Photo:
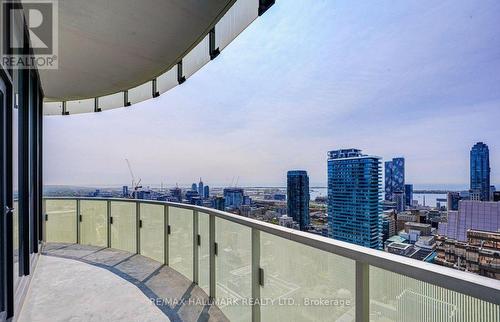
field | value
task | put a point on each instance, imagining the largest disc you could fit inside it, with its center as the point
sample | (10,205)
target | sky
(418,79)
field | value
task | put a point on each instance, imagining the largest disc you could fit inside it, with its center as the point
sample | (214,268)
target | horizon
(390,79)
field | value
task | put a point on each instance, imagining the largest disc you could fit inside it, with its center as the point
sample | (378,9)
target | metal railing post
(195,247)
(362,294)
(211,238)
(257,275)
(78,232)
(138,226)
(108,213)
(166,231)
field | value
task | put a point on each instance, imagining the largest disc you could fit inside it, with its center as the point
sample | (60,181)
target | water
(430,198)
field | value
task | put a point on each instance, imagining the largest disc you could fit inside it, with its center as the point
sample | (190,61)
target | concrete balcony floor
(86,283)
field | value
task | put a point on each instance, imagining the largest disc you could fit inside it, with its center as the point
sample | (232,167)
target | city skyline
(427,97)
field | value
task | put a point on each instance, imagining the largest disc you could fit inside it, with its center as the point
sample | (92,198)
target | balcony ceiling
(107,46)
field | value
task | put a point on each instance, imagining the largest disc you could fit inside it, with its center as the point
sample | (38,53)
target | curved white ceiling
(107,46)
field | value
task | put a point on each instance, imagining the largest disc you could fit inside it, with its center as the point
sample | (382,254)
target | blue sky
(419,79)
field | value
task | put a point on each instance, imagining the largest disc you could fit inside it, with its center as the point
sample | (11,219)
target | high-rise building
(399,198)
(176,194)
(206,192)
(354,209)
(388,180)
(218,203)
(496,196)
(233,197)
(452,201)
(125,192)
(192,194)
(408,195)
(194,187)
(298,197)
(480,171)
(394,177)
(201,189)
(388,220)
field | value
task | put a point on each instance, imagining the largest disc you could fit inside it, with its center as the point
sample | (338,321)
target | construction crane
(135,184)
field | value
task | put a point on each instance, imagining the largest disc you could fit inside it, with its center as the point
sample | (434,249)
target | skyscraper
(354,183)
(233,197)
(394,177)
(408,195)
(200,189)
(206,192)
(388,180)
(194,187)
(218,203)
(298,197)
(176,193)
(480,171)
(453,199)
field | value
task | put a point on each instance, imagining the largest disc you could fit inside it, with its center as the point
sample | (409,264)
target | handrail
(477,286)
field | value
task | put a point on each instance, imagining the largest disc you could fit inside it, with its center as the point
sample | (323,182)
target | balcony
(240,269)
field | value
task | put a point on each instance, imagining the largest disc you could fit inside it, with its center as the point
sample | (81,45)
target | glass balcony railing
(256,271)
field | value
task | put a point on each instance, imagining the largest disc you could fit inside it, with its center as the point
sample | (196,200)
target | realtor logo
(32,37)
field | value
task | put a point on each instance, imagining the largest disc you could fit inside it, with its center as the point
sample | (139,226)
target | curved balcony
(256,271)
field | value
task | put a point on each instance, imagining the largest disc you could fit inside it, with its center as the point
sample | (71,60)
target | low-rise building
(480,254)
(423,229)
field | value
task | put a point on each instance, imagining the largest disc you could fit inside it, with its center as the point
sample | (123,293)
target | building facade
(234,197)
(479,215)
(206,192)
(354,183)
(218,203)
(408,195)
(480,171)
(201,190)
(298,197)
(452,201)
(479,254)
(394,177)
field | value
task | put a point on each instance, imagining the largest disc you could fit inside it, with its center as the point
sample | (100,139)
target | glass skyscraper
(394,177)
(298,197)
(233,197)
(200,189)
(354,192)
(480,170)
(408,195)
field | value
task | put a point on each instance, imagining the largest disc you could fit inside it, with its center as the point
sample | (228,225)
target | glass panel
(233,269)
(196,58)
(140,93)
(167,80)
(297,276)
(15,177)
(180,241)
(52,108)
(15,242)
(204,252)
(83,106)
(236,19)
(111,101)
(123,229)
(94,223)
(152,231)
(395,297)
(61,221)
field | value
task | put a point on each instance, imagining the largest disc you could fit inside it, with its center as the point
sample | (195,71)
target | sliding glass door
(6,201)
